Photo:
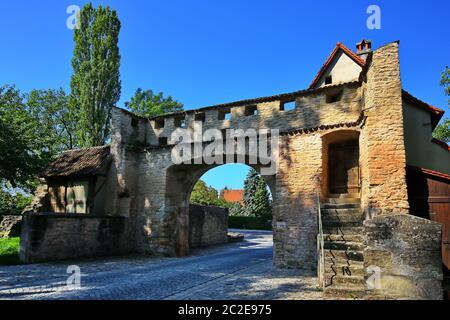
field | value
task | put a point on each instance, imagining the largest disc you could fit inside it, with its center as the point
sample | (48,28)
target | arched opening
(341,169)
(205,222)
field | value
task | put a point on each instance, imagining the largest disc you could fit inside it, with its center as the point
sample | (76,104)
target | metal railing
(320,246)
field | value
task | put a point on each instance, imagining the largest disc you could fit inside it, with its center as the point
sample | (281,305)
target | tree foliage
(204,195)
(261,203)
(148,104)
(442,131)
(256,196)
(50,109)
(250,187)
(12,203)
(95,84)
(208,196)
(24,142)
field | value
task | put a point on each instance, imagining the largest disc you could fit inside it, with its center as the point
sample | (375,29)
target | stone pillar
(402,257)
(383,158)
(295,202)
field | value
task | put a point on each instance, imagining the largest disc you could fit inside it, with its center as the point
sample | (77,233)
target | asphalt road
(232,271)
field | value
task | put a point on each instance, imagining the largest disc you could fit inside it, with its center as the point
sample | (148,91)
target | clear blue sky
(208,52)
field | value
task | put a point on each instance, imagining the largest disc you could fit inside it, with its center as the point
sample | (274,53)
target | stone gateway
(348,140)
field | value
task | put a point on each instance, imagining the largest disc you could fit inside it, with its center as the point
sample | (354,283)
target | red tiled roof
(339,46)
(233,196)
(430,172)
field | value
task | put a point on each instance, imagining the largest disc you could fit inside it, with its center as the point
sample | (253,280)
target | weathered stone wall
(207,226)
(10,225)
(382,145)
(155,191)
(41,199)
(47,237)
(407,251)
(295,201)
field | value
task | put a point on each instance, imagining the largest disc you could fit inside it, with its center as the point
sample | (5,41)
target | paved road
(233,271)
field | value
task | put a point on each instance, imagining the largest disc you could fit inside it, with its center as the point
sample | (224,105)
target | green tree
(204,195)
(261,202)
(250,186)
(95,83)
(24,143)
(50,109)
(12,203)
(236,209)
(148,104)
(442,131)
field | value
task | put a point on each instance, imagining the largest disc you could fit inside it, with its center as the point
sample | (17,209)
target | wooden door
(343,167)
(439,204)
(429,198)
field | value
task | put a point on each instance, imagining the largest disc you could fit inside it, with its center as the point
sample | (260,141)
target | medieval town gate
(344,138)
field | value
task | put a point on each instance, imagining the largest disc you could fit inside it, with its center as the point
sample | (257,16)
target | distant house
(233,196)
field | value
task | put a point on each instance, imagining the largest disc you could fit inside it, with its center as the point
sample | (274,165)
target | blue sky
(208,52)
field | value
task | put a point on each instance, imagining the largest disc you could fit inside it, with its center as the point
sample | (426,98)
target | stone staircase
(343,243)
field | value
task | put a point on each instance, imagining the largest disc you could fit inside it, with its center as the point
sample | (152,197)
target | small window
(134,122)
(180,122)
(224,114)
(159,123)
(288,105)
(162,141)
(251,110)
(200,117)
(329,80)
(334,97)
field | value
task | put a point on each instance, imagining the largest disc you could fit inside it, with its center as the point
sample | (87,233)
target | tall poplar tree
(95,84)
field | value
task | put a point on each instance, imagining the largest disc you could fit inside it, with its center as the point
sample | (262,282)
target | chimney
(363,48)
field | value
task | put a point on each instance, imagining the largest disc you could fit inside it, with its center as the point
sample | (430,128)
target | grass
(9,251)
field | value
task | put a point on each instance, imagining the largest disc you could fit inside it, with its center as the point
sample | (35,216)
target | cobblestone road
(233,271)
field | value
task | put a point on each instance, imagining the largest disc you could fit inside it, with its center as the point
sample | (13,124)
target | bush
(9,251)
(250,223)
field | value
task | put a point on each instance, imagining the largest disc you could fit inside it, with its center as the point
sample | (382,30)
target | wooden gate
(429,197)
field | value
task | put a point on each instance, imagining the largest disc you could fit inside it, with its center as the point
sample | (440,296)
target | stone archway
(180,180)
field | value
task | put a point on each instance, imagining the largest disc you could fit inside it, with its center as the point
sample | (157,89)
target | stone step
(343,195)
(343,218)
(342,211)
(342,245)
(352,255)
(340,205)
(345,292)
(342,269)
(345,231)
(341,224)
(349,280)
(341,200)
(342,260)
(346,238)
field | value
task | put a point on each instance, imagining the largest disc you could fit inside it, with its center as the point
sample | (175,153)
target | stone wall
(47,237)
(207,226)
(382,145)
(406,249)
(149,187)
(10,225)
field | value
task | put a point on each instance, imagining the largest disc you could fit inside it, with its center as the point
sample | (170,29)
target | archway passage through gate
(181,180)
